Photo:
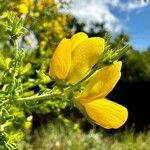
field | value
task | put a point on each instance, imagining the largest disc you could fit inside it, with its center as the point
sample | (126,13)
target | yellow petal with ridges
(84,57)
(106,113)
(77,38)
(101,83)
(61,60)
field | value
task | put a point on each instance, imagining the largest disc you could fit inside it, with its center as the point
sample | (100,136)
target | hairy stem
(39,97)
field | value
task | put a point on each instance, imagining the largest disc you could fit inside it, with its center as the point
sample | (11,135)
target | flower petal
(77,38)
(61,60)
(84,57)
(106,113)
(101,83)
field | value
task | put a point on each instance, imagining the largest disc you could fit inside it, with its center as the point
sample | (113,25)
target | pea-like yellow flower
(74,58)
(95,106)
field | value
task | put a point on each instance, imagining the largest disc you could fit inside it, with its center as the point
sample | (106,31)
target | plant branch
(38,97)
(16,48)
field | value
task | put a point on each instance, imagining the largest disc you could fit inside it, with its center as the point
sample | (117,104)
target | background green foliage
(25,73)
(56,136)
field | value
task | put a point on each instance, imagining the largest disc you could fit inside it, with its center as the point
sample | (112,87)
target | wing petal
(101,83)
(106,113)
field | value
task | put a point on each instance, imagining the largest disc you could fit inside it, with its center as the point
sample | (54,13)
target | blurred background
(46,23)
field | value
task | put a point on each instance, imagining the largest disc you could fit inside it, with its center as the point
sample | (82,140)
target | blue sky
(132,16)
(137,23)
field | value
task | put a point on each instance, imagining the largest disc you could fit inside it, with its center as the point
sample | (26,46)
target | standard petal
(101,83)
(77,38)
(106,113)
(61,60)
(84,57)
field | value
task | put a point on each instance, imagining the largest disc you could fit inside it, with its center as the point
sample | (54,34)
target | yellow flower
(24,6)
(57,27)
(36,14)
(95,106)
(74,58)
(26,2)
(23,9)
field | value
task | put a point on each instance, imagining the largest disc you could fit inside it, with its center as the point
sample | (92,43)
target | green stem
(16,48)
(86,77)
(13,74)
(39,97)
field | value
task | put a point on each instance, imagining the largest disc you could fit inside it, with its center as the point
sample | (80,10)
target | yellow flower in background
(95,106)
(24,6)
(74,58)
(57,28)
(26,2)
(23,9)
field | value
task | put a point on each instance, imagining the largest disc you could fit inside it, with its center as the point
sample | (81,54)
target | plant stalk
(38,98)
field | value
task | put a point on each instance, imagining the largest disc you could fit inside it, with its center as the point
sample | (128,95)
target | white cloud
(133,4)
(99,11)
(96,11)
